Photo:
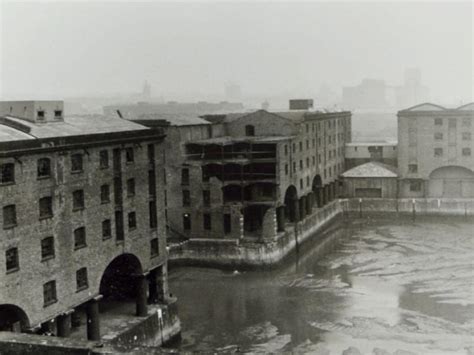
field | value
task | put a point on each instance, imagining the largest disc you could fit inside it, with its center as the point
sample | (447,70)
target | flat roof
(230,140)
(367,144)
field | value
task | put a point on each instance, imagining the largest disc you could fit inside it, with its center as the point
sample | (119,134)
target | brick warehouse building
(253,170)
(435,151)
(82,217)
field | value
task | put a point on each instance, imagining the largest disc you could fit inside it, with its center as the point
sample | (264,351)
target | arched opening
(291,203)
(451,182)
(119,281)
(13,318)
(317,188)
(253,218)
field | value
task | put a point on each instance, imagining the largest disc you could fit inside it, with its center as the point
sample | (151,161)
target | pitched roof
(174,119)
(467,107)
(427,106)
(371,169)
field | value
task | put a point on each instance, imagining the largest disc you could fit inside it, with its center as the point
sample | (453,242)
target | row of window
(452,122)
(40,114)
(12,260)
(44,167)
(331,139)
(439,136)
(207,222)
(439,152)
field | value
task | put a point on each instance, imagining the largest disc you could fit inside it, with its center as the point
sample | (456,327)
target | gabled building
(435,151)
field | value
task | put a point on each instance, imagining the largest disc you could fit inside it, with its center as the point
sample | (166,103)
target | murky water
(386,287)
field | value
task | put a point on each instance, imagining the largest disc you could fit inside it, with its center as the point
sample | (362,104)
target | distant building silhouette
(233,92)
(412,91)
(370,94)
(146,93)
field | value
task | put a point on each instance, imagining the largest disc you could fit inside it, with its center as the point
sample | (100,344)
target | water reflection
(380,285)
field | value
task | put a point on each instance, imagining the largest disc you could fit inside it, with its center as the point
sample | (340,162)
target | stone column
(319,196)
(152,287)
(309,198)
(63,322)
(326,194)
(141,300)
(295,210)
(280,218)
(302,203)
(93,319)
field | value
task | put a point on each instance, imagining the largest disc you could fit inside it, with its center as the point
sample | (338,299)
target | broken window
(46,207)
(7,173)
(9,216)
(81,279)
(131,187)
(105,194)
(76,162)
(47,248)
(132,220)
(154,247)
(186,198)
(78,200)
(80,238)
(129,155)
(207,221)
(11,260)
(44,167)
(49,293)
(106,229)
(104,159)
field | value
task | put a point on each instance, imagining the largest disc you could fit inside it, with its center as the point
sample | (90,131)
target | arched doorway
(13,318)
(318,190)
(451,182)
(119,281)
(291,204)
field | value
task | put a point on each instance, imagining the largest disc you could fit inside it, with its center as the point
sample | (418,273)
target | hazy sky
(58,49)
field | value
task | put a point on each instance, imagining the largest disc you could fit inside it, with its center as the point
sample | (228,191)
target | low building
(371,180)
(435,151)
(358,153)
(81,217)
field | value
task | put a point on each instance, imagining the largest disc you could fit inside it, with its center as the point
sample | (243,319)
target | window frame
(45,246)
(80,236)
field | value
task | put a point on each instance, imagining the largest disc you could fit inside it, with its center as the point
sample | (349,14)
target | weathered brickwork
(22,285)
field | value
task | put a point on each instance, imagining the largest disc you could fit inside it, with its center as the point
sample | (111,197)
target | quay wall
(234,253)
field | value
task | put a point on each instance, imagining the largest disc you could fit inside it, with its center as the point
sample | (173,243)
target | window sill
(75,172)
(49,303)
(106,237)
(46,258)
(78,209)
(46,177)
(7,183)
(153,256)
(11,271)
(82,288)
(45,217)
(103,167)
(120,242)
(10,226)
(131,229)
(104,202)
(80,247)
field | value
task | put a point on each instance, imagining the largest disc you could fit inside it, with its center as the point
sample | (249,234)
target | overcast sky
(59,49)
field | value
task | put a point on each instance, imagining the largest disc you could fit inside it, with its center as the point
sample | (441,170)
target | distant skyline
(190,50)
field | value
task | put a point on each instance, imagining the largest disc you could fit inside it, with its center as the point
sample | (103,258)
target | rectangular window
(106,229)
(80,238)
(301,165)
(43,168)
(466,122)
(9,216)
(413,168)
(319,158)
(132,221)
(438,121)
(151,183)
(307,144)
(76,163)
(104,159)
(58,114)
(466,152)
(40,115)
(152,214)
(415,186)
(78,200)
(314,160)
(207,221)
(294,167)
(46,207)
(452,123)
(131,187)
(47,248)
(294,147)
(307,162)
(301,146)
(186,198)
(81,279)
(307,181)
(438,136)
(154,247)
(286,169)
(11,260)
(49,293)
(206,198)
(438,152)
(466,136)
(7,173)
(105,194)
(185,176)
(151,153)
(227,223)
(129,155)
(186,222)
(301,183)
